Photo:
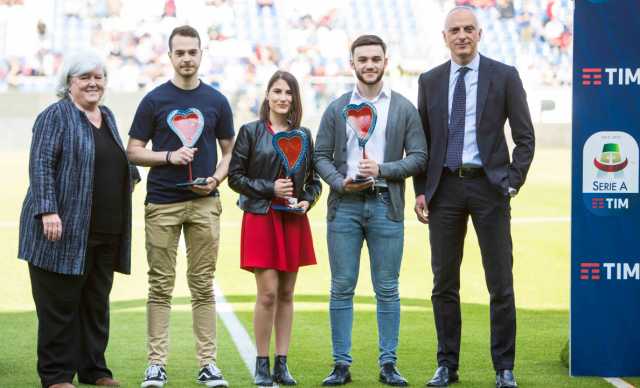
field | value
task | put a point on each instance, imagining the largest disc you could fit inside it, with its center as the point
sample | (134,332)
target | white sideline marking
(238,334)
(618,383)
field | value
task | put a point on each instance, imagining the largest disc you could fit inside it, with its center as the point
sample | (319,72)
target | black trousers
(73,316)
(454,201)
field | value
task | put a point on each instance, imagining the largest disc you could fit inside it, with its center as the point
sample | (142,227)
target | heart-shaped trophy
(187,124)
(361,118)
(291,147)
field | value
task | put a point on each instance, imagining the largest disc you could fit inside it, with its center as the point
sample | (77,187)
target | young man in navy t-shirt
(174,114)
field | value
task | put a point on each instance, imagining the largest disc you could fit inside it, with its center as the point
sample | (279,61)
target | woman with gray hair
(75,225)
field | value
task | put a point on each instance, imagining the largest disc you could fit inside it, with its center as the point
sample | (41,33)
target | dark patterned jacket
(61,181)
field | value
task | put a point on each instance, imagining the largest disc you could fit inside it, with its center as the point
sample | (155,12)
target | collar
(474,65)
(385,92)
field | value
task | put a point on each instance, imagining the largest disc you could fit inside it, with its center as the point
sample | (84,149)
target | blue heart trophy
(361,118)
(291,147)
(188,125)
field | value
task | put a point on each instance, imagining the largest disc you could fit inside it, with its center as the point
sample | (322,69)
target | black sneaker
(211,376)
(155,376)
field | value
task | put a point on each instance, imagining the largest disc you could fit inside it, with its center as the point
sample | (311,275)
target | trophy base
(285,208)
(196,182)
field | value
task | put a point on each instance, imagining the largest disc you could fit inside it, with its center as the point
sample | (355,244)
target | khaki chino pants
(200,220)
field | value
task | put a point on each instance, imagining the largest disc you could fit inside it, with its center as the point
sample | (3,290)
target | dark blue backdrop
(605,232)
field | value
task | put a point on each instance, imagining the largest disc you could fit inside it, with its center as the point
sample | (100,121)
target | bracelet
(217,180)
(168,157)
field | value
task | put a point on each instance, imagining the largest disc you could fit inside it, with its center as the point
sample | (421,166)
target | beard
(187,72)
(361,78)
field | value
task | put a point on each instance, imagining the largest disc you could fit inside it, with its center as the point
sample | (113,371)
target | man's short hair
(184,31)
(368,40)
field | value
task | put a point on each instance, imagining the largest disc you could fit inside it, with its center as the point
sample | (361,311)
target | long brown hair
(295,113)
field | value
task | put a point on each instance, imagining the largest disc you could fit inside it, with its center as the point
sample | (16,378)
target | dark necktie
(456,122)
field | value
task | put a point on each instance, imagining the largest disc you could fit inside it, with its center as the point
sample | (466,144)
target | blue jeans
(362,217)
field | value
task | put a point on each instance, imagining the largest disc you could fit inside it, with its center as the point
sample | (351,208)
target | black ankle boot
(263,375)
(281,373)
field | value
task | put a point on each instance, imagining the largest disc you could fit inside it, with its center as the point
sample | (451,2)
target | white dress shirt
(470,152)
(377,142)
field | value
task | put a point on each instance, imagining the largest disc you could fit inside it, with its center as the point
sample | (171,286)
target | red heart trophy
(361,118)
(291,147)
(187,124)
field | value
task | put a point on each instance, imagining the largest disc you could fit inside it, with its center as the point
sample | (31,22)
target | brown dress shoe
(107,382)
(62,385)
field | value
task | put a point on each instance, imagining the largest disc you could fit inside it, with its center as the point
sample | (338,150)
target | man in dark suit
(464,104)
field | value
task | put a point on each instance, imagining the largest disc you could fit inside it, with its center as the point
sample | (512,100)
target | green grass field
(541,269)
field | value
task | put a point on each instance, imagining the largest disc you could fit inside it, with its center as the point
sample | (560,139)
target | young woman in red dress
(274,244)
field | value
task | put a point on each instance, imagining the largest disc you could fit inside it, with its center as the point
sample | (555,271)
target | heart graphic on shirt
(361,118)
(291,147)
(187,124)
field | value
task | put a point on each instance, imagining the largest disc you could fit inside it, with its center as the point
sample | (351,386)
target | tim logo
(610,203)
(589,271)
(592,76)
(613,76)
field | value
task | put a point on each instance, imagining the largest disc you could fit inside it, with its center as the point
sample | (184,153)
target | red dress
(277,240)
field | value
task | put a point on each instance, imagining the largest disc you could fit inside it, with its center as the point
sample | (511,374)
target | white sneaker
(155,376)
(211,376)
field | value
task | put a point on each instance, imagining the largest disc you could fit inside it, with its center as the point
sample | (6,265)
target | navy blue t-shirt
(186,111)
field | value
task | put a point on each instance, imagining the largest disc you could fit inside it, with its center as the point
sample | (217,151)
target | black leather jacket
(255,166)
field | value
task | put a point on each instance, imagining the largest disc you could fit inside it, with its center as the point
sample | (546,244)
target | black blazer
(501,96)
(255,166)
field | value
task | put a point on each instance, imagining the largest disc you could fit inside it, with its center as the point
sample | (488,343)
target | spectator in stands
(505,9)
(306,40)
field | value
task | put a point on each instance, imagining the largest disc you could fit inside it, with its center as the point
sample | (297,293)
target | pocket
(149,209)
(217,206)
(332,206)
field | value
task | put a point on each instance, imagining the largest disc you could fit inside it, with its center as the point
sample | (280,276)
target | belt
(380,189)
(373,191)
(376,190)
(465,172)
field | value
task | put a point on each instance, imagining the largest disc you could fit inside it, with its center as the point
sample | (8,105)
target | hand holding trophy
(291,147)
(361,118)
(187,124)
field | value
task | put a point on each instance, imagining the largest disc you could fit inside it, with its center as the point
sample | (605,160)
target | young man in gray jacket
(366,202)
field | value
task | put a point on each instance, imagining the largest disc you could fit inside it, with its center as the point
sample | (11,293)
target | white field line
(238,334)
(408,222)
(618,383)
(236,330)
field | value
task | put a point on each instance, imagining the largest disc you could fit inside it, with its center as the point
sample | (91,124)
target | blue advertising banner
(605,209)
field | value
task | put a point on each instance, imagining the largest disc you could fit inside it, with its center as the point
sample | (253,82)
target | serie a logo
(610,165)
